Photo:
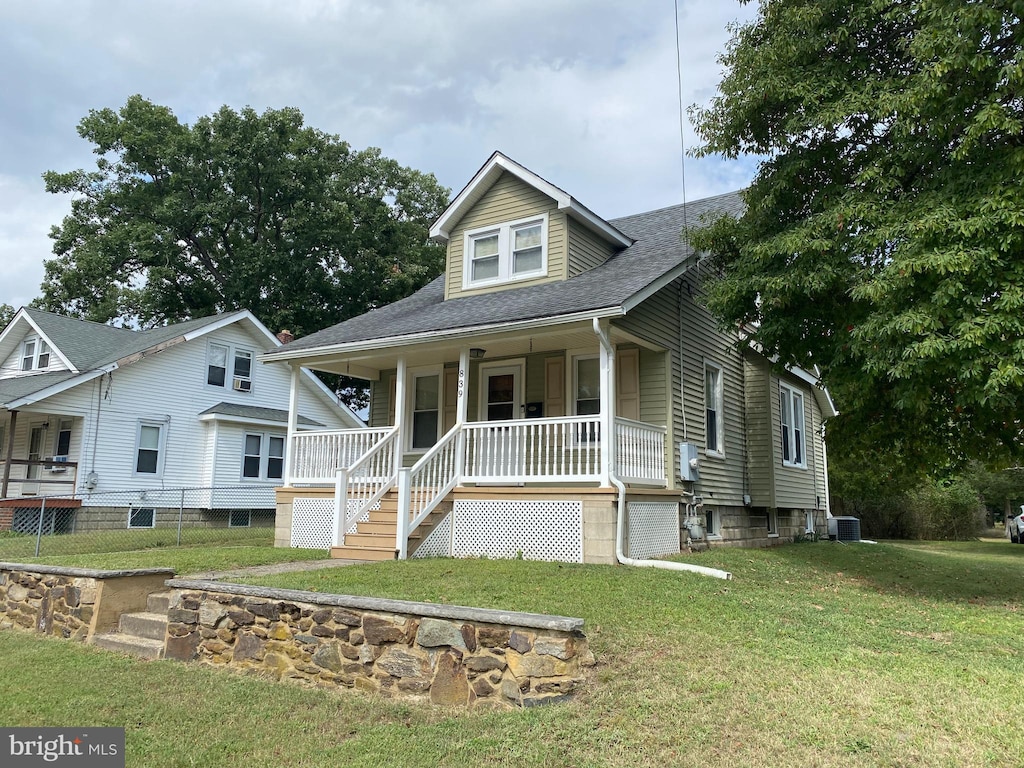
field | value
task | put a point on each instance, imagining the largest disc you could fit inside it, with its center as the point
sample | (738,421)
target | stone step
(364,553)
(158,602)
(134,646)
(149,626)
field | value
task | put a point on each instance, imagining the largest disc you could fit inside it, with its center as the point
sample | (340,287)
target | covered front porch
(547,425)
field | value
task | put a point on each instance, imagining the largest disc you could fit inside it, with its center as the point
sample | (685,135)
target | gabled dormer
(509,228)
(26,348)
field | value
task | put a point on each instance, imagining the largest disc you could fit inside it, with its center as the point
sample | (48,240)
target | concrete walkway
(273,569)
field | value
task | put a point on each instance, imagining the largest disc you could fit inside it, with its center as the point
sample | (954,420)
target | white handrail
(363,484)
(424,485)
(317,455)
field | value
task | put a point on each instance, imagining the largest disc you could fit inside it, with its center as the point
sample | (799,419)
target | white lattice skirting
(438,542)
(653,529)
(535,530)
(312,523)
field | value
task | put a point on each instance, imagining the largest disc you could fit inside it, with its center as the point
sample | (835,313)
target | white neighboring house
(86,408)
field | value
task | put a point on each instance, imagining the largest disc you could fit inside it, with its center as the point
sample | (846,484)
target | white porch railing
(363,484)
(318,455)
(524,450)
(640,452)
(423,486)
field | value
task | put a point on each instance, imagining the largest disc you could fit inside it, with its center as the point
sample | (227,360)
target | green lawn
(816,654)
(16,547)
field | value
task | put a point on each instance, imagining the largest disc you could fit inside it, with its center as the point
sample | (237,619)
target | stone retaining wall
(449,655)
(73,603)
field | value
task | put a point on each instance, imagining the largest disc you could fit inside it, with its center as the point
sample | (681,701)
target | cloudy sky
(582,92)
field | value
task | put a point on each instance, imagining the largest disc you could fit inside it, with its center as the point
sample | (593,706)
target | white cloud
(583,92)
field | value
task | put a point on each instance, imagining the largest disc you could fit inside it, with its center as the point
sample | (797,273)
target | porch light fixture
(477,353)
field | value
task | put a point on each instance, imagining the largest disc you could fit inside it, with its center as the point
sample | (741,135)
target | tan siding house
(557,379)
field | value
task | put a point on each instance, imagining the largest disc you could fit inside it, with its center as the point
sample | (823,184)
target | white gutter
(620,527)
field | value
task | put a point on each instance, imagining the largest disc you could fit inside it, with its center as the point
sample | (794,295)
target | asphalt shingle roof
(256,412)
(658,248)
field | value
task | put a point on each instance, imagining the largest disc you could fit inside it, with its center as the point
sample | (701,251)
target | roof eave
(413,339)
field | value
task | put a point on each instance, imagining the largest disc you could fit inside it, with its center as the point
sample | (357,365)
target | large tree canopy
(884,233)
(238,210)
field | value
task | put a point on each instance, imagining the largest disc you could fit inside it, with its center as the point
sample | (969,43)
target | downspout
(609,454)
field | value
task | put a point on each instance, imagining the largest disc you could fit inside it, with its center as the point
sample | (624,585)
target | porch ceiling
(368,364)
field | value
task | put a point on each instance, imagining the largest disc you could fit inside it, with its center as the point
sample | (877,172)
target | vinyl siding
(661,319)
(761,443)
(509,199)
(586,249)
(170,388)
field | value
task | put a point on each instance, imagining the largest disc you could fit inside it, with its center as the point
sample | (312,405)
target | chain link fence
(119,521)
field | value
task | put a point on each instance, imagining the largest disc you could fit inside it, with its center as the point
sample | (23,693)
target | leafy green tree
(238,210)
(883,239)
(7,313)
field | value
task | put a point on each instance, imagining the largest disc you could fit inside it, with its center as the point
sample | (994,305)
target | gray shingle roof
(256,412)
(658,249)
(91,345)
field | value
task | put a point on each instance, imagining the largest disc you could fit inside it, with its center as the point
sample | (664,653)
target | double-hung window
(263,456)
(791,409)
(220,358)
(35,354)
(714,431)
(513,251)
(149,448)
(426,410)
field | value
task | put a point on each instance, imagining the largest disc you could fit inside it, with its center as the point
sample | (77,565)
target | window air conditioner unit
(844,529)
(59,460)
(243,385)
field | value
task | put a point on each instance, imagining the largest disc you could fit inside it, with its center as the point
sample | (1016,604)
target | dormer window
(513,251)
(35,354)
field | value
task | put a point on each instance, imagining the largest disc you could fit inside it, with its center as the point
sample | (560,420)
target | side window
(28,354)
(262,456)
(149,448)
(713,405)
(587,377)
(62,443)
(216,365)
(221,358)
(791,410)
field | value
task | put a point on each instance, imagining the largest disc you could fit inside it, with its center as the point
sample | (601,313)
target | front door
(501,399)
(35,449)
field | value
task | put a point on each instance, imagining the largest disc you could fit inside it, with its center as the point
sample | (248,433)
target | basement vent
(844,529)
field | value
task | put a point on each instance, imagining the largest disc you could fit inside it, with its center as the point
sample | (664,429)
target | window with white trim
(149,448)
(507,252)
(791,410)
(712,523)
(223,357)
(35,354)
(262,456)
(714,431)
(141,517)
(62,441)
(426,409)
(586,385)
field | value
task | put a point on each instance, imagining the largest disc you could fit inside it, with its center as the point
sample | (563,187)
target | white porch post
(400,412)
(293,423)
(461,411)
(608,438)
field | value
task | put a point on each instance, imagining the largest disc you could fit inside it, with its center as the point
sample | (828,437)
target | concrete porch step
(136,646)
(158,602)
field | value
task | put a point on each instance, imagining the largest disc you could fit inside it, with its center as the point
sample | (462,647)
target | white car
(1015,527)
